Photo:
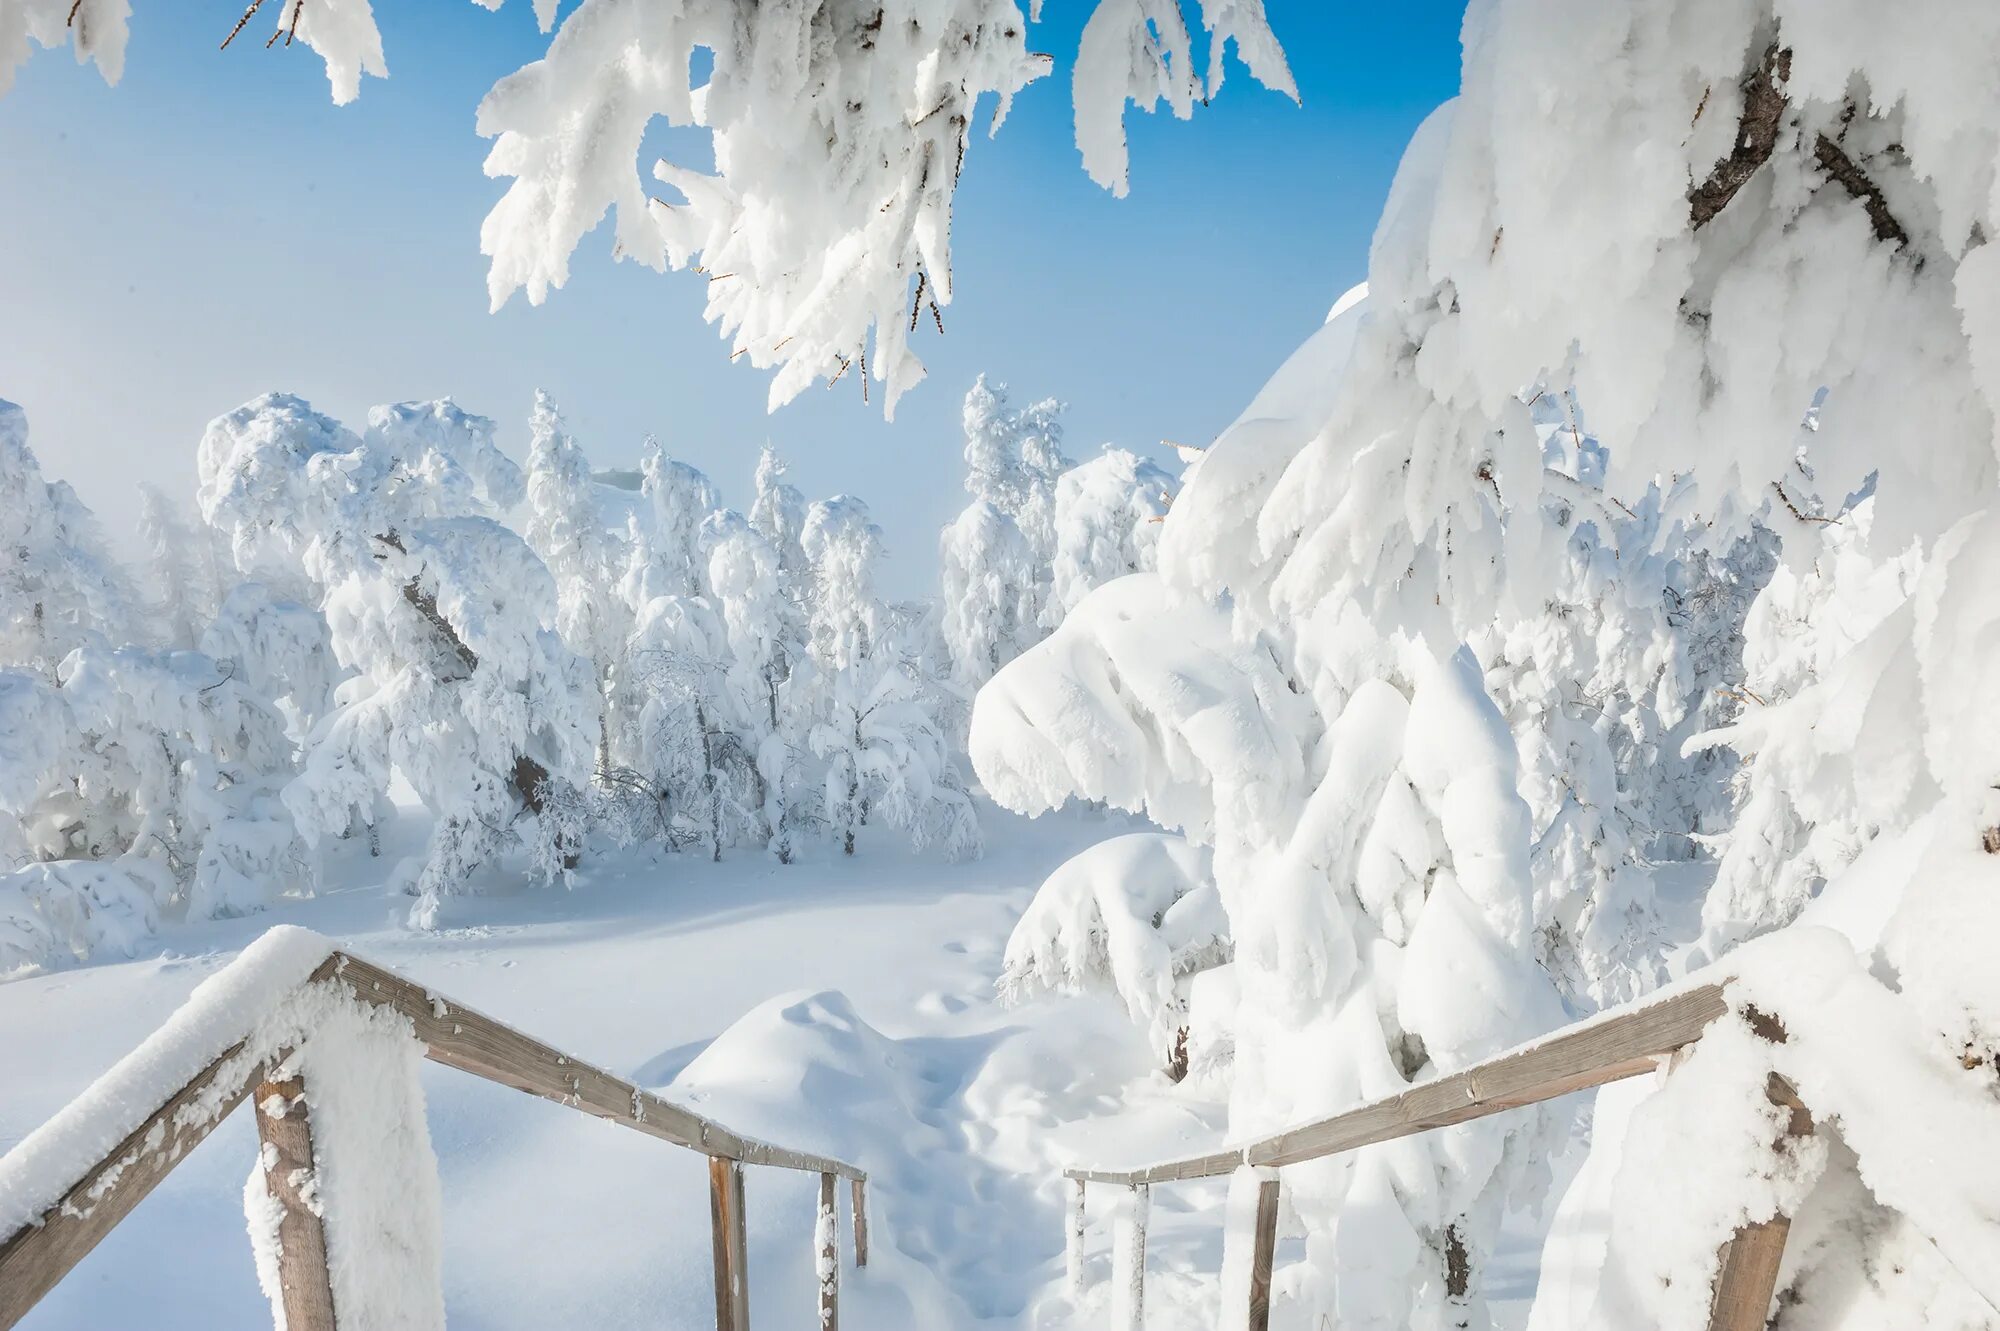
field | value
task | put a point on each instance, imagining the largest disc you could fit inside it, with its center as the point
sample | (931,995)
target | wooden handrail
(38,1254)
(461,1038)
(1609,1047)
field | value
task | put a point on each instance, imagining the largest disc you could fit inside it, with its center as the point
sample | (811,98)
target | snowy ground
(841,1006)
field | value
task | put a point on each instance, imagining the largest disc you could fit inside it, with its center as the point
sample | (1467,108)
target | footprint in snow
(939,1004)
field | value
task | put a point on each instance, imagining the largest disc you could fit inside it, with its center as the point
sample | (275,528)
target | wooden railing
(41,1252)
(1604,1049)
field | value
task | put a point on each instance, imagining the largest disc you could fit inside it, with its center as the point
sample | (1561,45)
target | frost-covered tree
(1762,207)
(566,528)
(875,725)
(1013,459)
(60,589)
(767,653)
(994,559)
(164,763)
(1104,522)
(184,570)
(988,578)
(445,617)
(839,132)
(1136,916)
(692,727)
(778,513)
(280,649)
(1372,854)
(666,558)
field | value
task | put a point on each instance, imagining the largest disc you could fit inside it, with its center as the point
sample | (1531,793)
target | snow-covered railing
(302,1029)
(1611,1046)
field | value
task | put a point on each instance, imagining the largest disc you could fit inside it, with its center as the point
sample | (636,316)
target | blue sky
(214,227)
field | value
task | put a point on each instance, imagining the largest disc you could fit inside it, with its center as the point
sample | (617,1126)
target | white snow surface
(840,1006)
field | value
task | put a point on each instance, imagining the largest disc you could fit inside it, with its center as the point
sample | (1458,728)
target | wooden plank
(35,1257)
(860,1205)
(285,1132)
(732,1284)
(826,1252)
(1746,1277)
(1605,1049)
(459,1037)
(1263,1248)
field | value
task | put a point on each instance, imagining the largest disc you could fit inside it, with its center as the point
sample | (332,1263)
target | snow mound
(803,1069)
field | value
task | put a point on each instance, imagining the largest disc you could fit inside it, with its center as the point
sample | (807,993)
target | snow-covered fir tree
(461,683)
(1137,916)
(60,589)
(778,513)
(767,653)
(184,573)
(875,728)
(667,559)
(994,560)
(1104,523)
(566,528)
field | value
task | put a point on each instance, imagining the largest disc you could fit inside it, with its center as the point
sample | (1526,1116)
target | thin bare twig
(248,14)
(1796,512)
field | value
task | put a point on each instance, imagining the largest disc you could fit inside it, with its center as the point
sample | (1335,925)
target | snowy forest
(1591,608)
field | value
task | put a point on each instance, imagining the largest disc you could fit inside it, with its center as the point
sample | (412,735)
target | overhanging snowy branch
(1765,102)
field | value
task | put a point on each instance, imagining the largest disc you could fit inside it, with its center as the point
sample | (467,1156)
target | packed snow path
(845,1007)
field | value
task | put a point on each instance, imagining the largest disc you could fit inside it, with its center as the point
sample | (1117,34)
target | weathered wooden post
(1747,1278)
(732,1284)
(1073,1242)
(860,1203)
(1263,1247)
(1128,1262)
(284,1133)
(826,1254)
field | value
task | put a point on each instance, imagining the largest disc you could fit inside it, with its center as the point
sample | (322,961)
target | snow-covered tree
(280,649)
(184,570)
(163,757)
(994,559)
(693,742)
(445,617)
(1372,855)
(988,577)
(767,650)
(778,513)
(875,727)
(566,528)
(839,132)
(1136,916)
(666,557)
(1761,208)
(1013,459)
(60,589)
(1105,523)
